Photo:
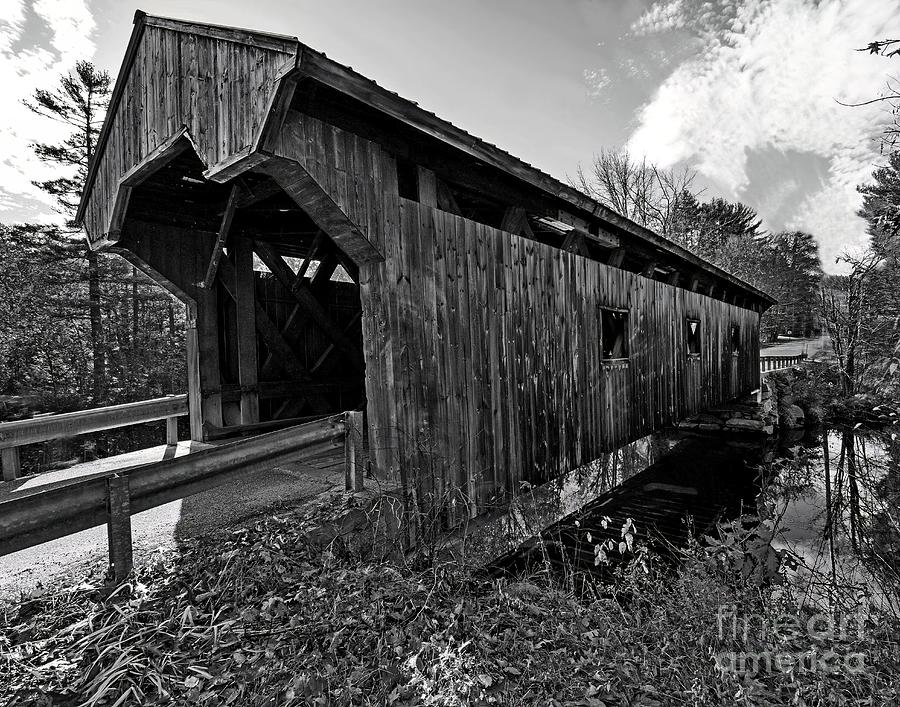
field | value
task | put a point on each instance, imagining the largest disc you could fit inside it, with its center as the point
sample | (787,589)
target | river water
(835,499)
(831,496)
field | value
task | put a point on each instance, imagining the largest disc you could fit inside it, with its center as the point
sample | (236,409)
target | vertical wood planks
(483,360)
(500,339)
(219,89)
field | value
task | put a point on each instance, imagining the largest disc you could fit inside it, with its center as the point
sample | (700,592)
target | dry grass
(260,616)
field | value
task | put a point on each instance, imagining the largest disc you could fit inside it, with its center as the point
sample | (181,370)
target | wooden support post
(206,316)
(616,257)
(649,269)
(353,450)
(245,300)
(195,394)
(171,431)
(427,187)
(11,465)
(673,277)
(118,509)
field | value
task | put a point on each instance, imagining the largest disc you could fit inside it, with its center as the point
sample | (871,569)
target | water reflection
(833,497)
(836,499)
(670,486)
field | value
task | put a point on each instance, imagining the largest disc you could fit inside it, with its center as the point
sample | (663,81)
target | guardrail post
(11,465)
(171,431)
(118,508)
(353,450)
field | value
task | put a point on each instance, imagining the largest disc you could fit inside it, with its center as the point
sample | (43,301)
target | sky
(746,93)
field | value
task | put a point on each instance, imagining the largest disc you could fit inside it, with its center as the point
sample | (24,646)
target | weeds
(264,616)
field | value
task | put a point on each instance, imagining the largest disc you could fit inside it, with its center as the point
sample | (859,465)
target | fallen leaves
(259,617)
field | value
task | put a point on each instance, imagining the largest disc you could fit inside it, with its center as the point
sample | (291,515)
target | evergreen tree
(792,273)
(80,102)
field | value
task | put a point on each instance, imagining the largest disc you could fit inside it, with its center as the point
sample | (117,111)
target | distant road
(795,347)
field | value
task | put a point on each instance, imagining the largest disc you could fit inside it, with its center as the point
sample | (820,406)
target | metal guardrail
(776,363)
(770,364)
(40,429)
(38,515)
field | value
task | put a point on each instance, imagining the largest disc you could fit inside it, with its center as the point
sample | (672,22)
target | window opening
(613,329)
(693,337)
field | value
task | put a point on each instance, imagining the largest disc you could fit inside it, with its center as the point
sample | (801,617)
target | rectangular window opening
(614,334)
(735,339)
(693,337)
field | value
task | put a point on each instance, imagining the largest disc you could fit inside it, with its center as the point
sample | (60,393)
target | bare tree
(638,190)
(861,321)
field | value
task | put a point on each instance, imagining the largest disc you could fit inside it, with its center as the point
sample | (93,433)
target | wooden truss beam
(282,352)
(575,242)
(313,247)
(445,199)
(306,192)
(616,257)
(298,318)
(515,221)
(221,238)
(327,352)
(299,289)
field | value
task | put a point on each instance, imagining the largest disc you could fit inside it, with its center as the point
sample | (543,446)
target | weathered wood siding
(483,349)
(491,345)
(218,89)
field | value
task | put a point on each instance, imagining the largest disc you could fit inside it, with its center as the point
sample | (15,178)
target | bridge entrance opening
(274,331)
(298,315)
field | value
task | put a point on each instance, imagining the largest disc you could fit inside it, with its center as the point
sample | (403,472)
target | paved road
(74,556)
(795,347)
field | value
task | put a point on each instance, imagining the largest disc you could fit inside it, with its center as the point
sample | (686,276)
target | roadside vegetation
(264,616)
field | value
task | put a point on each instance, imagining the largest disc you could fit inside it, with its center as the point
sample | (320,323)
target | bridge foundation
(755,413)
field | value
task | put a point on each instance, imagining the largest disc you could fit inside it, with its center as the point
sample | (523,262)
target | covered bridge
(337,246)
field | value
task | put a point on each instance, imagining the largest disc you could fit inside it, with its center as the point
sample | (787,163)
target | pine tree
(80,101)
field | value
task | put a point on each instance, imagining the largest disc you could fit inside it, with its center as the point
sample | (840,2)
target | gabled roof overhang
(306,63)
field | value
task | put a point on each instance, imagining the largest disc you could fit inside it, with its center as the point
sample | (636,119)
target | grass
(263,616)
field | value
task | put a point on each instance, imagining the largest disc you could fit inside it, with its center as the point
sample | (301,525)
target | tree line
(858,310)
(82,328)
(728,234)
(79,328)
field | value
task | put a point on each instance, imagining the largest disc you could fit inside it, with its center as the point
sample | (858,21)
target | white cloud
(767,74)
(597,81)
(65,27)
(661,17)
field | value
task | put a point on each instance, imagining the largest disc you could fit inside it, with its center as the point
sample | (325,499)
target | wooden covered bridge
(338,247)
